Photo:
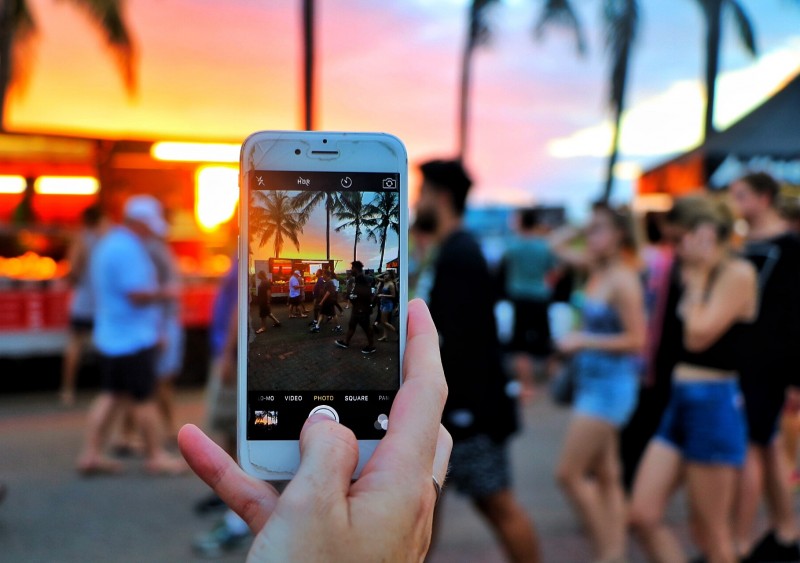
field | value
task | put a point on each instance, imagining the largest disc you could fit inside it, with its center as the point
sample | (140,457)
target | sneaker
(342,344)
(218,541)
(368,350)
(770,549)
(314,329)
(336,329)
(277,325)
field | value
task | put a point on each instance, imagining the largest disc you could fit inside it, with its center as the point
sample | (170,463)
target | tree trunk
(383,246)
(713,9)
(308,67)
(327,231)
(6,39)
(355,244)
(463,114)
(619,106)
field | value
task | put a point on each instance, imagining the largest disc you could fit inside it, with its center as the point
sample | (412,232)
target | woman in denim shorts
(604,359)
(703,434)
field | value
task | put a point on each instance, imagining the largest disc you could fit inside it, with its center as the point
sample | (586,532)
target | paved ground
(53,515)
(292,358)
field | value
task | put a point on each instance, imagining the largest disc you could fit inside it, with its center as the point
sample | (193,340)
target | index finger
(417,409)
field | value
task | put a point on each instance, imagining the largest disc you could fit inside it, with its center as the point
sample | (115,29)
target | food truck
(279,270)
(46,181)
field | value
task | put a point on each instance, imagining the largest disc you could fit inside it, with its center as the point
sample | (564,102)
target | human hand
(387,513)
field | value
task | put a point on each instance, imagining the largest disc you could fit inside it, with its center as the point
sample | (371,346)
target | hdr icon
(303,181)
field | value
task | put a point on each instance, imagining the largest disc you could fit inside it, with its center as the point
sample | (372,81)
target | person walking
(478,413)
(527,262)
(769,367)
(264,298)
(328,297)
(296,293)
(126,333)
(360,298)
(230,533)
(81,307)
(387,298)
(605,367)
(702,439)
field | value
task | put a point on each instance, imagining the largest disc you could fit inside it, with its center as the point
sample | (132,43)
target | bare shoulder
(739,270)
(627,278)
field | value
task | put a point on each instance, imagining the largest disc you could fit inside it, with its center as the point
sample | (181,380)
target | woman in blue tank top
(605,359)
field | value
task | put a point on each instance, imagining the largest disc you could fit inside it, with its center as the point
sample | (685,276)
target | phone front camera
(297,151)
(324,141)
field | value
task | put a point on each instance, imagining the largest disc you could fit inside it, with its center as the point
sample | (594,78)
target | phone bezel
(265,150)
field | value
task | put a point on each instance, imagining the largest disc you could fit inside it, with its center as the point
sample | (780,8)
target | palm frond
(107,14)
(562,14)
(743,25)
(479,29)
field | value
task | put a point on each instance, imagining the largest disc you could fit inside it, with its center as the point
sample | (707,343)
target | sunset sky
(312,244)
(220,69)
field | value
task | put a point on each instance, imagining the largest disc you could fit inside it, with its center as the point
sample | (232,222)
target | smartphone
(312,203)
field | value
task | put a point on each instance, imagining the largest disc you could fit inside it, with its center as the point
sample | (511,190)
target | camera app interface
(324,285)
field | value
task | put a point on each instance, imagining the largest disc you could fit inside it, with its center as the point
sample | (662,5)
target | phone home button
(330,412)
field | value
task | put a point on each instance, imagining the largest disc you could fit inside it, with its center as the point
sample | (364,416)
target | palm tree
(386,218)
(308,64)
(712,10)
(621,19)
(17,26)
(479,33)
(356,215)
(274,215)
(306,202)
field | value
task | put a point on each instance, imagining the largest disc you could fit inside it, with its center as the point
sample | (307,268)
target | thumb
(328,457)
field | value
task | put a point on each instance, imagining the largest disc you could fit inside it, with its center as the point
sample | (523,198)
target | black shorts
(328,308)
(264,310)
(294,300)
(362,320)
(81,326)
(131,374)
(531,327)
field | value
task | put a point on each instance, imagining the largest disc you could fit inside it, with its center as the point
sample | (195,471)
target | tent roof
(773,128)
(770,130)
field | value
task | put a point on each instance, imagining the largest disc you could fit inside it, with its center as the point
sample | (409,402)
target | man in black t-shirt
(328,295)
(360,297)
(771,364)
(479,414)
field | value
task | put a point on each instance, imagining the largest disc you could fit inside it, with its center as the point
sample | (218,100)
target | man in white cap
(126,333)
(296,283)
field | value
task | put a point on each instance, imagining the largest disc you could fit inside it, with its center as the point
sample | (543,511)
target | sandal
(259,331)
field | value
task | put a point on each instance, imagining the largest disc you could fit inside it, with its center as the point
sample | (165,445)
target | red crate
(56,309)
(12,310)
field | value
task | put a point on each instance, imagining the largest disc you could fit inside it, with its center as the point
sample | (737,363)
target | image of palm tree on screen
(275,215)
(387,218)
(356,214)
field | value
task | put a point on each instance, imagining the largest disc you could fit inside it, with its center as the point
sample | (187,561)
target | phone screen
(305,229)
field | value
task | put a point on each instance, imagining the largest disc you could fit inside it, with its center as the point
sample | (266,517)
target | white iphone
(322,290)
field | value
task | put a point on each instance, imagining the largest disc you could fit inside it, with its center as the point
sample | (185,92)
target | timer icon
(346,182)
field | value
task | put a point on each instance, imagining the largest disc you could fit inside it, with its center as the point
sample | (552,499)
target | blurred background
(550,103)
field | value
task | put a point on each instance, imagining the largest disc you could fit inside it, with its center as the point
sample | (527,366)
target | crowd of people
(678,357)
